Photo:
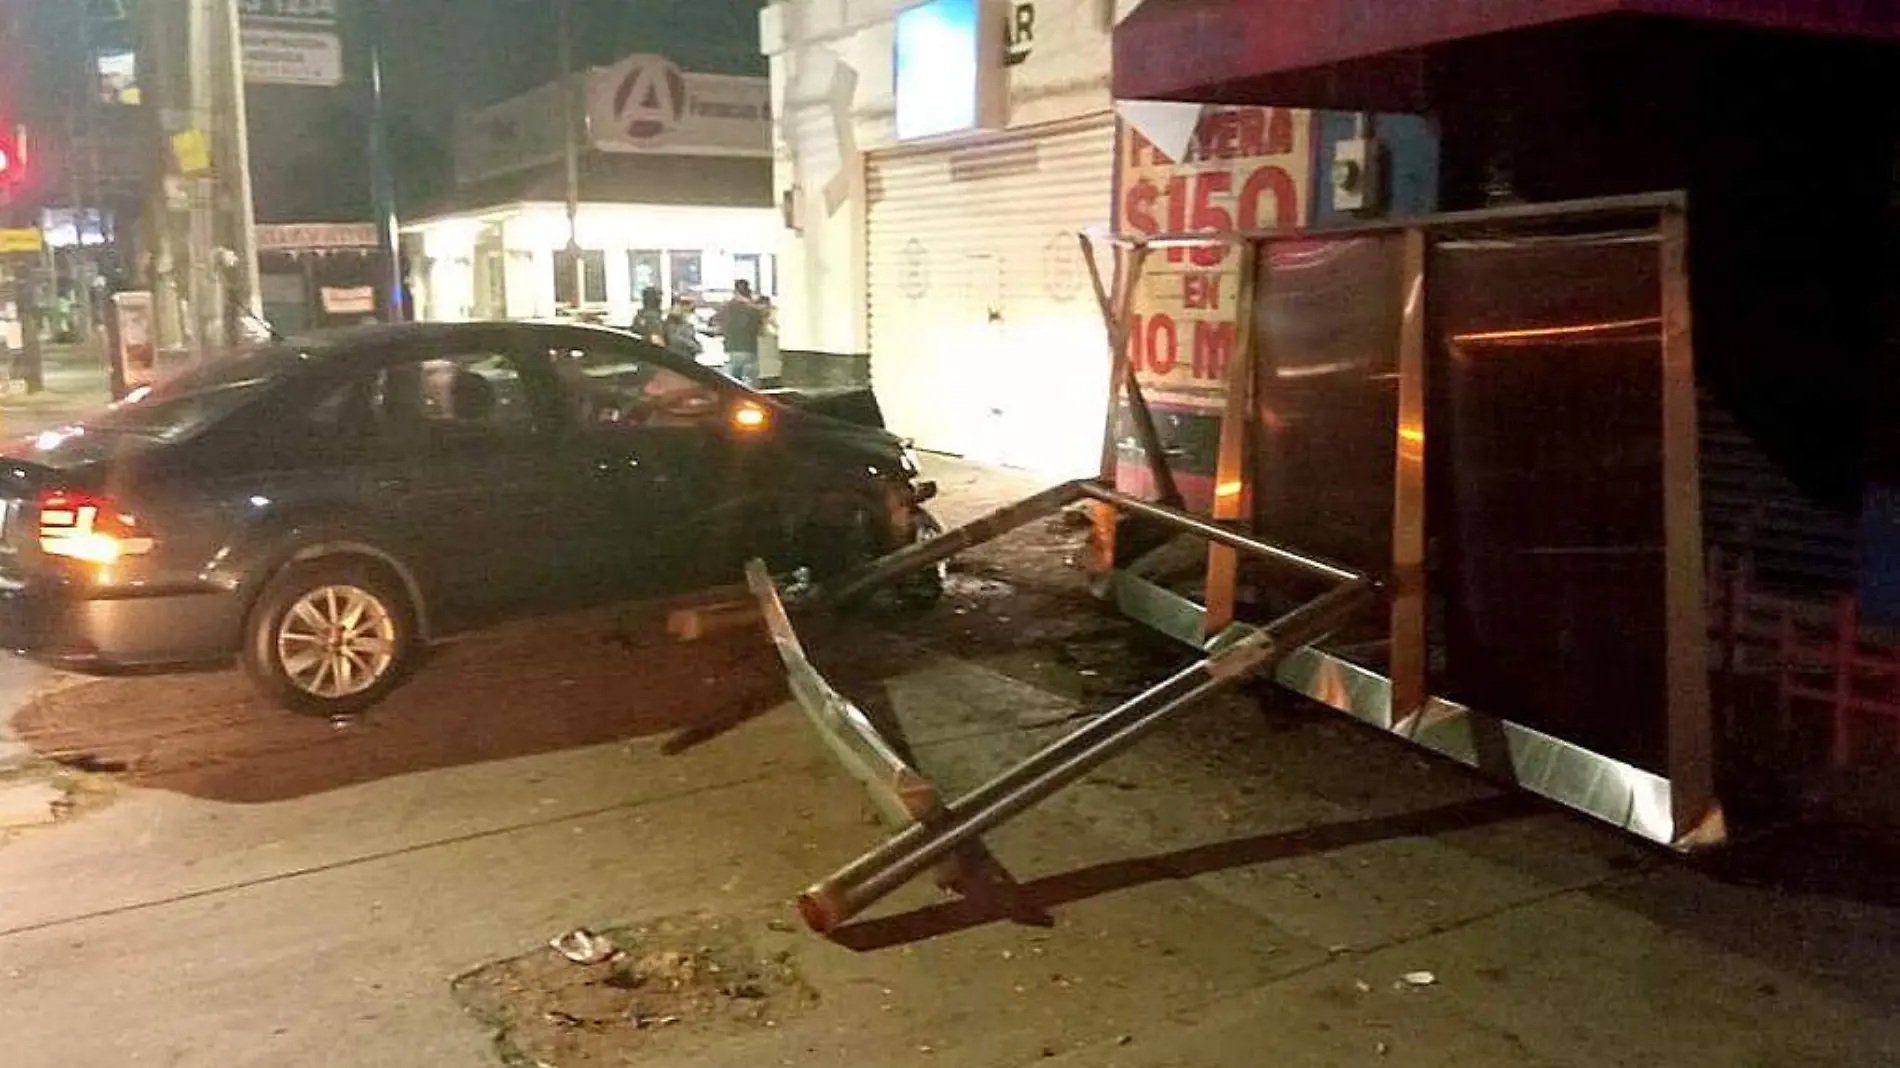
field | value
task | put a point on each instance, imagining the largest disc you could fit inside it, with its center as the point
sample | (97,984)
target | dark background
(310,159)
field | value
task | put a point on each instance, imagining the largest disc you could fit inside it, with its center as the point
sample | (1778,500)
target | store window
(594,268)
(688,274)
(644,267)
(617,389)
(759,269)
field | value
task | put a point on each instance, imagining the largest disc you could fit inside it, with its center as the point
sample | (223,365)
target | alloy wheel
(336,641)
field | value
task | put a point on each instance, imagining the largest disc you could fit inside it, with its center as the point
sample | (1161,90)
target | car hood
(846,420)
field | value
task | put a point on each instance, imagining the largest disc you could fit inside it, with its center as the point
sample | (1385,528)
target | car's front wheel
(329,637)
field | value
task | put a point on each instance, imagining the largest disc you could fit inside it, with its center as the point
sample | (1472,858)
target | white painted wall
(832,77)
(532,232)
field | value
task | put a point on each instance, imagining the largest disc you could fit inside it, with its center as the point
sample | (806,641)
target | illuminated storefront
(675,195)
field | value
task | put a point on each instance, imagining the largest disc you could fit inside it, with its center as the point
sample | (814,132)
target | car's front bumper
(64,626)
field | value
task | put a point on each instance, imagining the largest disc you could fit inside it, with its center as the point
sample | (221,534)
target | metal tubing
(1451,220)
(1233,490)
(845,894)
(1691,734)
(901,792)
(1216,533)
(914,558)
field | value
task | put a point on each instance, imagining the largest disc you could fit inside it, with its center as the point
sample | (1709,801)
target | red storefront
(1773,127)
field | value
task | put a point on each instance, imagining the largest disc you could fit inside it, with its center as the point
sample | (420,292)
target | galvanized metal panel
(985,339)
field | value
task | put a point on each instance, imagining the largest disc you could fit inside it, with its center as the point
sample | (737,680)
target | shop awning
(1351,53)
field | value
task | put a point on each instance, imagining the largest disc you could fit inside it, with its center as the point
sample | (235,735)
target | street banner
(291,42)
(133,329)
(348,300)
(1243,169)
(191,150)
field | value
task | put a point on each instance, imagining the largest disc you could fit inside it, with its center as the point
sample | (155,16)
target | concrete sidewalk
(1251,887)
(78,382)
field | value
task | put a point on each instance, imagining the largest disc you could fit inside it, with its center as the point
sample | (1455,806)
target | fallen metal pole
(902,793)
(904,857)
(1216,533)
(914,558)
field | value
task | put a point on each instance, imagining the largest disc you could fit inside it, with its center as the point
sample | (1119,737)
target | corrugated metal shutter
(985,336)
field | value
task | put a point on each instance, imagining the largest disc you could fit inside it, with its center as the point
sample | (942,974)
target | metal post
(1218,534)
(26,296)
(1698,815)
(902,794)
(915,558)
(830,903)
(1408,657)
(1117,309)
(201,241)
(570,147)
(243,201)
(382,172)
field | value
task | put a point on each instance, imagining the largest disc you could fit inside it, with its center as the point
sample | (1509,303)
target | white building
(952,260)
(675,194)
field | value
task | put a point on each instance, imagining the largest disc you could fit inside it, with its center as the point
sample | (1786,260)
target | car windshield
(181,406)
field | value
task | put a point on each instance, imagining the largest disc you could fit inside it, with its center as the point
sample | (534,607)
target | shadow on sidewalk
(994,900)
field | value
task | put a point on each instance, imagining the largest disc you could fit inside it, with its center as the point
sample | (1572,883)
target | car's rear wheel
(330,637)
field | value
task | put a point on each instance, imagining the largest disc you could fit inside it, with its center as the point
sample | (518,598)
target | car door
(473,489)
(668,484)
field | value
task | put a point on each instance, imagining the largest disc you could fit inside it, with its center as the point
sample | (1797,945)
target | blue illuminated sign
(938,64)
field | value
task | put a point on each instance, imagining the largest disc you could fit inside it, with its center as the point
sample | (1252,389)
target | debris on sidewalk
(1419,979)
(583,946)
(586,1000)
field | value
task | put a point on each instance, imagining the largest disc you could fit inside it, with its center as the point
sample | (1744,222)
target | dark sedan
(320,508)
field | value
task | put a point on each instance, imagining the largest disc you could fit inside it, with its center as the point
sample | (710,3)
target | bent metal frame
(1680,809)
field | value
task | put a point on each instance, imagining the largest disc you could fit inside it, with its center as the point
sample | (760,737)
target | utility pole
(159,59)
(204,284)
(571,148)
(243,203)
(382,169)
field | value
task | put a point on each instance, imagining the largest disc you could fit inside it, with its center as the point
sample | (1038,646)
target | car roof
(378,335)
(376,341)
(377,344)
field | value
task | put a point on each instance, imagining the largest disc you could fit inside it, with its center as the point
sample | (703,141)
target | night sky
(446,53)
(440,55)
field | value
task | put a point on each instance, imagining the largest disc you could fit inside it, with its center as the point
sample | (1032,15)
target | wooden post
(1232,499)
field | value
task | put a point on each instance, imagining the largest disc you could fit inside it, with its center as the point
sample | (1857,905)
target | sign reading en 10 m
(950,70)
(291,42)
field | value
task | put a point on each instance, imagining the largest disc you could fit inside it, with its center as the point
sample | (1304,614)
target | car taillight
(89,527)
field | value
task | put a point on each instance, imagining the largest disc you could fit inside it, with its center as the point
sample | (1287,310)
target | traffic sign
(24,239)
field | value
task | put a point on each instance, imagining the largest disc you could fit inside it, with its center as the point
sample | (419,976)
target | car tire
(330,637)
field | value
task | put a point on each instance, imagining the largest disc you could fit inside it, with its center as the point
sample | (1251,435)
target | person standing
(681,332)
(771,367)
(649,323)
(740,324)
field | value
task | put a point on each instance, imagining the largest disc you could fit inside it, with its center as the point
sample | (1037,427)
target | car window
(477,394)
(605,388)
(466,396)
(179,407)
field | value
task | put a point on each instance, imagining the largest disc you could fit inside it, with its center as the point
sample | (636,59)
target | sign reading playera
(647,104)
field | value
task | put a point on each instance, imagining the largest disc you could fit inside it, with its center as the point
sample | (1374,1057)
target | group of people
(741,322)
